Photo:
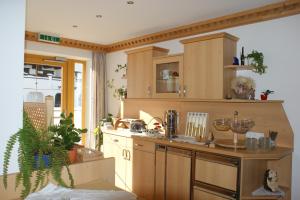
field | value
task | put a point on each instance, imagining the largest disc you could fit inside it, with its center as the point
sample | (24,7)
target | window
(62,79)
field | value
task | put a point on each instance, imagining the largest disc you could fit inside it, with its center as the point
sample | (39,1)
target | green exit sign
(49,38)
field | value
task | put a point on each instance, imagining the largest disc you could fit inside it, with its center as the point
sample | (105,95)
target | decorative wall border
(272,11)
(32,36)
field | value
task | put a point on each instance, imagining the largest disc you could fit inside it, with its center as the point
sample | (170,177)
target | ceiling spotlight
(75,26)
(99,16)
(130,2)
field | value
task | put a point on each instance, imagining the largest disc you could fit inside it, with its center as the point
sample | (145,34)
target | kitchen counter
(277,153)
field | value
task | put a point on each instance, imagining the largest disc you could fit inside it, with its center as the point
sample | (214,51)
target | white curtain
(98,87)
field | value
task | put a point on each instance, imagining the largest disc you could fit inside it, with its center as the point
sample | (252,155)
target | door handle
(138,145)
(115,140)
(179,91)
(129,155)
(123,153)
(184,91)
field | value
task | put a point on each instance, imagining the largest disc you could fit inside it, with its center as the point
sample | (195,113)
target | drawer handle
(138,145)
(115,140)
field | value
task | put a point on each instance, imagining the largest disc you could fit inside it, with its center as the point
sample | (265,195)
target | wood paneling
(143,174)
(266,115)
(178,175)
(268,12)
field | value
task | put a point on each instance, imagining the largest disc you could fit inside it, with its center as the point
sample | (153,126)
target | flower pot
(73,155)
(46,160)
(263,97)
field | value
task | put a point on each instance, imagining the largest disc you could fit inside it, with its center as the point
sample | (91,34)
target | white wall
(279,41)
(12,21)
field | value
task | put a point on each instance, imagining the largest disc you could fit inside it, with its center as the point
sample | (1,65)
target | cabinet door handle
(149,90)
(179,91)
(123,153)
(129,155)
(184,91)
(116,140)
(138,145)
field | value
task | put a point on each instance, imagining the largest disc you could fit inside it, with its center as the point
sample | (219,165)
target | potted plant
(264,94)
(67,135)
(98,132)
(256,60)
(33,167)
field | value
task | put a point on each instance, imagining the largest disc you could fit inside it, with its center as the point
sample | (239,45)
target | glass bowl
(242,126)
(222,124)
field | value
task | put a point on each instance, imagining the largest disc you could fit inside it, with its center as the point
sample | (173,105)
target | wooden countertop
(277,153)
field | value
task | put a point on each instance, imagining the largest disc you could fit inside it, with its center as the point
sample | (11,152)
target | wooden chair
(41,114)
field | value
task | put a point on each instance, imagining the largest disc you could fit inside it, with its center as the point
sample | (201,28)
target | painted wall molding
(268,12)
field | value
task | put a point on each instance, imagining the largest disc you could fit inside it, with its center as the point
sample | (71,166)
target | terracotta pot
(263,97)
(73,155)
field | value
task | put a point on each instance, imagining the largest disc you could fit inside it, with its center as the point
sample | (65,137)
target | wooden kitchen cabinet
(167,76)
(139,71)
(173,173)
(119,147)
(204,61)
(143,169)
(178,174)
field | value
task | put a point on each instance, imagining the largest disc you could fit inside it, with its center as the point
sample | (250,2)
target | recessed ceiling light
(75,26)
(99,16)
(130,2)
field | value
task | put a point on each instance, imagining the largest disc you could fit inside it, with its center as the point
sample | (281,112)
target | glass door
(168,78)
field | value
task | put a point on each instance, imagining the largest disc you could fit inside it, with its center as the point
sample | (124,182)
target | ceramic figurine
(271,180)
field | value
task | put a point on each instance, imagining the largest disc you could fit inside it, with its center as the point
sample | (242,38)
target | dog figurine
(271,180)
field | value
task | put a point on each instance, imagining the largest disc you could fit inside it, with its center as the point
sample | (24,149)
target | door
(119,153)
(143,174)
(178,174)
(167,76)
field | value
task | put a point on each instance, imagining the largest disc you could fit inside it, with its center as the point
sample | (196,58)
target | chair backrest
(41,114)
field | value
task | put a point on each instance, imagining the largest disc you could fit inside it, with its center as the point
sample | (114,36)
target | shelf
(239,67)
(285,189)
(205,100)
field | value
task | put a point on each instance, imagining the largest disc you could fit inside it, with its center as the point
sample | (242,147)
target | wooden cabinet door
(178,174)
(129,169)
(143,174)
(203,69)
(160,167)
(168,76)
(120,166)
(139,75)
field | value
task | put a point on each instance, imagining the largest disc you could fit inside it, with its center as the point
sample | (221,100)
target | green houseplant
(33,172)
(98,132)
(256,60)
(67,135)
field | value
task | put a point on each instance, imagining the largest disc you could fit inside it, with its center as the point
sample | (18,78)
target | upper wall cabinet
(167,76)
(204,61)
(139,74)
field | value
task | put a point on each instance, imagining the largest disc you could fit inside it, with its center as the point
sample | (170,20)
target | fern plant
(35,142)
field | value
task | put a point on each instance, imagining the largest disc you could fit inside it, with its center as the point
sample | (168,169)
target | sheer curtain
(98,76)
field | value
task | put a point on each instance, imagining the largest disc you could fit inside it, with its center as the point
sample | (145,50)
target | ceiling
(122,21)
